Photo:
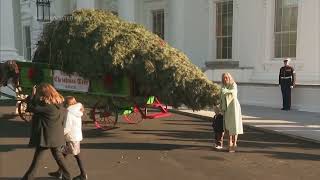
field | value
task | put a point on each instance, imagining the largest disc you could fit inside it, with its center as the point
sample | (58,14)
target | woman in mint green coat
(231,109)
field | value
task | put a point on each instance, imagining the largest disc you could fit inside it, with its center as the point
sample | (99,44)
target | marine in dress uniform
(286,82)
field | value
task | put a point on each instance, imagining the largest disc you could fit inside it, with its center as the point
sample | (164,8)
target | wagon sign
(74,82)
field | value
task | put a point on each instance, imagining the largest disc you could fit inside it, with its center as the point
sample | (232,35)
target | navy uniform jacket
(287,72)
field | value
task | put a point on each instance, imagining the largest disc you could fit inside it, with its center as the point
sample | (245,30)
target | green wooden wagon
(107,96)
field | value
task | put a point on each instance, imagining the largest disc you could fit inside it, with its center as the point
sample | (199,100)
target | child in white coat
(73,134)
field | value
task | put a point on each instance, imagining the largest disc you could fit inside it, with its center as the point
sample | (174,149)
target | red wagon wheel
(104,117)
(23,113)
(135,116)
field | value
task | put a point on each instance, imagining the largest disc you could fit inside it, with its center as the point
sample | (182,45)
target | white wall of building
(190,27)
(253,47)
(304,97)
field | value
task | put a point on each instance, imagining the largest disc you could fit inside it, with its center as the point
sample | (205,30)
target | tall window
(27,46)
(158,22)
(285,31)
(224,29)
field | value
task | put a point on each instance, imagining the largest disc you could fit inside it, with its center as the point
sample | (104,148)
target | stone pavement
(302,125)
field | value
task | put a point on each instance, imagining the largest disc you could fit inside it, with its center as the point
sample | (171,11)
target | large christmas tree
(95,42)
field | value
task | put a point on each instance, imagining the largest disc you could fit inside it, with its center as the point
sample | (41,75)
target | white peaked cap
(287,59)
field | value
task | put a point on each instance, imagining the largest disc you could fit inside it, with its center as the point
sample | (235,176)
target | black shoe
(56,174)
(64,178)
(81,177)
(283,109)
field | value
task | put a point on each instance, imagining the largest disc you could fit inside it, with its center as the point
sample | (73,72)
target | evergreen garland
(95,42)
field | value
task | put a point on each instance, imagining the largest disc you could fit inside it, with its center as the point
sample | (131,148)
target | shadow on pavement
(7,102)
(176,134)
(183,133)
(16,178)
(251,139)
(136,146)
(13,128)
(12,147)
(97,133)
(9,116)
(286,155)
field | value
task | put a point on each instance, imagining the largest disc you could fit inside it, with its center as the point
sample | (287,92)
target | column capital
(87,4)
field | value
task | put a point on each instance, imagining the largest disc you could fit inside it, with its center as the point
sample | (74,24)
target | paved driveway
(177,147)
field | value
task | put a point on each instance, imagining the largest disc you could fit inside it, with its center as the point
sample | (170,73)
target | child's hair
(216,109)
(70,100)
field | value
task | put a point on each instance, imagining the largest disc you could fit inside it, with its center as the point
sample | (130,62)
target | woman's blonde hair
(48,94)
(228,80)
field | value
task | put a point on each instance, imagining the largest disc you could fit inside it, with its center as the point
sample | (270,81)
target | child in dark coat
(217,125)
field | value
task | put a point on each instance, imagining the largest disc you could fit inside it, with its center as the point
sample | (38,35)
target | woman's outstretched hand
(34,90)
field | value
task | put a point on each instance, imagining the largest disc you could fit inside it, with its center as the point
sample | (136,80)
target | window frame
(148,7)
(274,32)
(156,12)
(222,36)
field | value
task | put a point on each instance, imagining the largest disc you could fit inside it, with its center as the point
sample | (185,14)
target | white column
(176,23)
(88,4)
(126,9)
(265,68)
(318,35)
(212,32)
(307,60)
(7,42)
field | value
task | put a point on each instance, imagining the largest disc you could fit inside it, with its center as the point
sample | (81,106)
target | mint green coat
(231,109)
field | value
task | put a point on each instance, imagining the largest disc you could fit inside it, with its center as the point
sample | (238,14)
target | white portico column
(87,4)
(176,23)
(127,9)
(7,42)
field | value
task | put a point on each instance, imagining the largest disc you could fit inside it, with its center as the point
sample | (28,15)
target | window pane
(289,3)
(224,8)
(277,47)
(285,20)
(27,35)
(229,53)
(293,19)
(219,8)
(285,51)
(219,48)
(293,38)
(292,49)
(219,25)
(225,48)
(230,7)
(225,25)
(225,53)
(285,39)
(277,52)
